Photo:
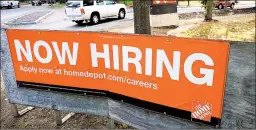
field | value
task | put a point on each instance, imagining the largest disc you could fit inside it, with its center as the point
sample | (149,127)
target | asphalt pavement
(58,22)
(9,14)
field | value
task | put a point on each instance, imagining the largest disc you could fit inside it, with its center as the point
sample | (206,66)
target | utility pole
(142,16)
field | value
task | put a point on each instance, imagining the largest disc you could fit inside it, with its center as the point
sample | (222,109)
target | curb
(43,17)
(27,23)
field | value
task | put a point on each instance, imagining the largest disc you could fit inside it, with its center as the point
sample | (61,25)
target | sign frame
(136,102)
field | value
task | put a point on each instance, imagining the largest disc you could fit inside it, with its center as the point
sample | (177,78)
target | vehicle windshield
(73,4)
(87,2)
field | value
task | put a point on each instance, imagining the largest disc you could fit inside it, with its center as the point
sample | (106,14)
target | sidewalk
(57,15)
(183,25)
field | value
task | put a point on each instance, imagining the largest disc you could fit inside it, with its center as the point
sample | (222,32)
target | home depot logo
(201,111)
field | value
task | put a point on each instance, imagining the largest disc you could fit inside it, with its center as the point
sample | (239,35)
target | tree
(141,16)
(62,1)
(208,10)
(226,4)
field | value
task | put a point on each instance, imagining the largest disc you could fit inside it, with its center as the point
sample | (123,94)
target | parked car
(43,1)
(220,4)
(94,11)
(10,4)
(36,3)
(51,1)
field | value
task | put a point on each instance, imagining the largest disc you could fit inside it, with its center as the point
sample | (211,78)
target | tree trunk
(188,2)
(141,16)
(226,5)
(208,14)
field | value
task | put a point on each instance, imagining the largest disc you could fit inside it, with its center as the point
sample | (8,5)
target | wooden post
(64,119)
(111,124)
(59,120)
(14,110)
(141,16)
(58,117)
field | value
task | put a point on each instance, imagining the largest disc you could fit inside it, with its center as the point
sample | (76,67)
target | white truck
(93,10)
(9,4)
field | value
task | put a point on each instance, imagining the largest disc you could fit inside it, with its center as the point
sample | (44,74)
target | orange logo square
(201,111)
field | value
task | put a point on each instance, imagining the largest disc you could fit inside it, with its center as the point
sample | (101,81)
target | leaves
(235,29)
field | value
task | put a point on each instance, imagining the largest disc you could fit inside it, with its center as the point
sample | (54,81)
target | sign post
(163,13)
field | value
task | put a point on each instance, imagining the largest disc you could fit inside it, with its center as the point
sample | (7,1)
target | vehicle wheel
(10,6)
(95,19)
(232,6)
(221,6)
(121,14)
(79,22)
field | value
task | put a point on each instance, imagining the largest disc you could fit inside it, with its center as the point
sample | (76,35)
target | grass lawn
(182,3)
(236,29)
(57,5)
(126,2)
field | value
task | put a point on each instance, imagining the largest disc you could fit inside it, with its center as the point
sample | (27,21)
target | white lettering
(65,50)
(95,55)
(116,57)
(19,48)
(135,60)
(208,73)
(163,59)
(148,64)
(48,57)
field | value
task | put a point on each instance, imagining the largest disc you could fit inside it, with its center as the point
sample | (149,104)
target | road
(9,14)
(57,20)
(201,9)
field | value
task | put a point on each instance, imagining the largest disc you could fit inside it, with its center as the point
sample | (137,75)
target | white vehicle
(9,3)
(94,11)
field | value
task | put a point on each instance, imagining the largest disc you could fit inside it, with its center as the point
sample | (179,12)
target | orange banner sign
(163,2)
(180,73)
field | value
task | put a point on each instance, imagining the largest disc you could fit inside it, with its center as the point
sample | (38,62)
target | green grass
(235,29)
(182,3)
(57,6)
(126,2)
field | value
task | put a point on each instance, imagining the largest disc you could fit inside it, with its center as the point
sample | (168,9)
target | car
(51,1)
(10,4)
(220,4)
(43,1)
(36,3)
(93,11)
